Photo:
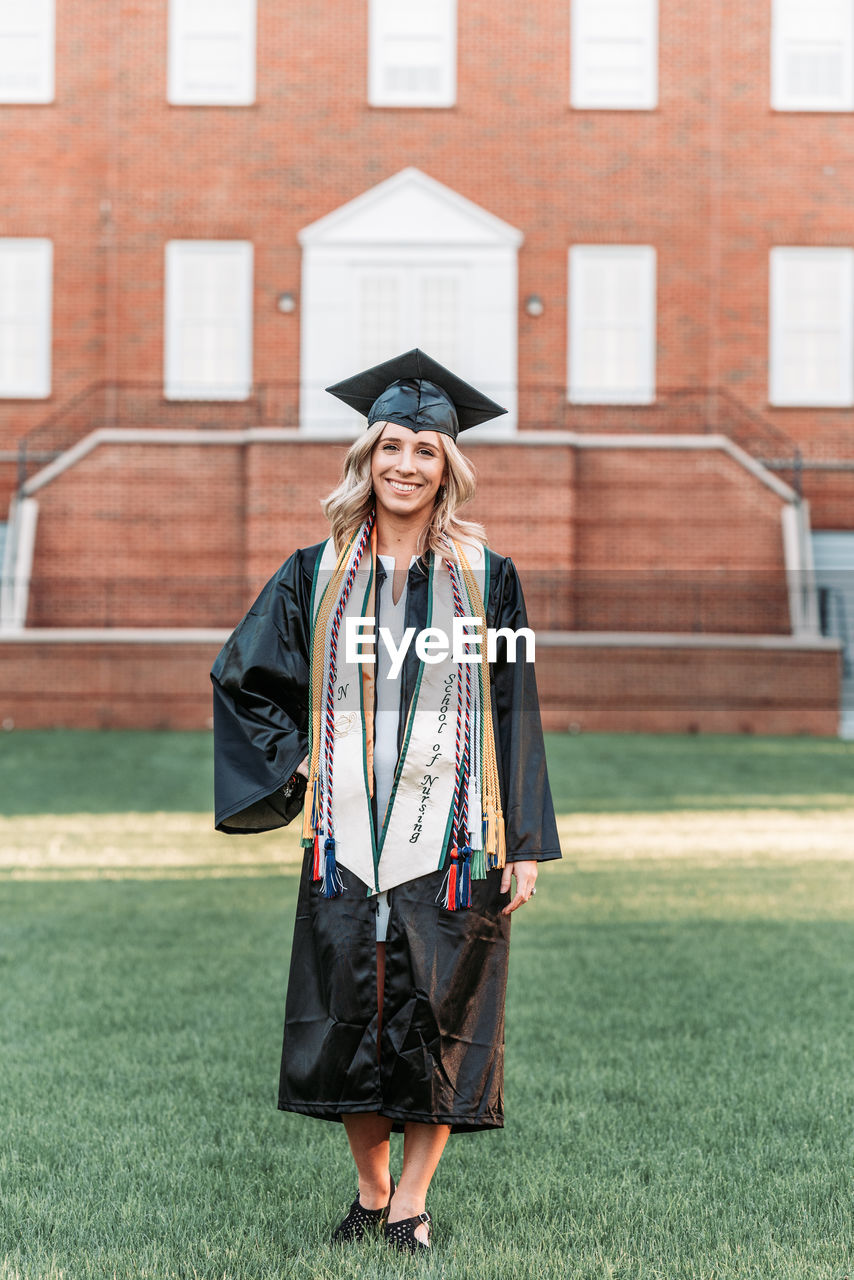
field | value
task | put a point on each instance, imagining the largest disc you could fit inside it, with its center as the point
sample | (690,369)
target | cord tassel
(333,885)
(464,879)
(308,812)
(315,865)
(448,892)
(499,857)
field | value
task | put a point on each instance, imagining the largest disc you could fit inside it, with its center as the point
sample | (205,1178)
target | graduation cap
(416,391)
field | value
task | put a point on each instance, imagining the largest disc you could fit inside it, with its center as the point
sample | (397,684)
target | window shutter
(614,60)
(612,324)
(812,59)
(208,330)
(812,327)
(412,53)
(212,52)
(26,268)
(27,50)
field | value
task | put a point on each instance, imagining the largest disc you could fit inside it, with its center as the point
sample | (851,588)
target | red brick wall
(713,178)
(59,167)
(525,499)
(669,539)
(183,535)
(831,498)
(658,690)
(142,686)
(785,179)
(142,535)
(284,485)
(106,686)
(623,539)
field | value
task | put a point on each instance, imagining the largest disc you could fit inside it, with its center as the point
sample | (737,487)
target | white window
(212,52)
(26,50)
(412,53)
(614,54)
(26,269)
(612,324)
(208,329)
(812,55)
(812,327)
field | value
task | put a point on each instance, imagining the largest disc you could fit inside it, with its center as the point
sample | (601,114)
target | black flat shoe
(401,1235)
(360,1220)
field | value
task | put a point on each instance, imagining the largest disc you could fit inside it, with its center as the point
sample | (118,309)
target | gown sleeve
(529,817)
(260,703)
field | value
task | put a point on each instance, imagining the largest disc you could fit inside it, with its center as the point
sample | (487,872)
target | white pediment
(410,209)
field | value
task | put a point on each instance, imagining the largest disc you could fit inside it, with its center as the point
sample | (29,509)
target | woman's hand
(526,878)
(303,767)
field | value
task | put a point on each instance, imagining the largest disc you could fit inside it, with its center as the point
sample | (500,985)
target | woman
(425,784)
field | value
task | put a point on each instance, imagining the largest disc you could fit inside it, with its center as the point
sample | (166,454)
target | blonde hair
(347,506)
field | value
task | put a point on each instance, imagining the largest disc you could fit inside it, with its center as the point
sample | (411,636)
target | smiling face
(407,468)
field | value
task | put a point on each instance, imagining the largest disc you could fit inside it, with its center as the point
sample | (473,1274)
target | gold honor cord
(328,602)
(495,847)
(369,672)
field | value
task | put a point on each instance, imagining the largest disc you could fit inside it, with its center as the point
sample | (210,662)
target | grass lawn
(680,1028)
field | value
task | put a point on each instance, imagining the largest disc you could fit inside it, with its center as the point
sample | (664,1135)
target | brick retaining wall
(109,685)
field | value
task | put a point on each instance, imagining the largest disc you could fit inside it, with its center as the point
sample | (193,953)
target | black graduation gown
(442,1045)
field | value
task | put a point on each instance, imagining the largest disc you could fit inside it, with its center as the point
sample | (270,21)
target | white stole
(417,825)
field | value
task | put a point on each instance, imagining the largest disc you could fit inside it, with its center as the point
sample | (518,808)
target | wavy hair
(347,506)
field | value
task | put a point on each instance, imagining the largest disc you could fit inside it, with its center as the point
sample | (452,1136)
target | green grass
(680,1033)
(74,771)
(608,772)
(90,771)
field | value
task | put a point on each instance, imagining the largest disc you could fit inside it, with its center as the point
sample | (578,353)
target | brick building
(628,221)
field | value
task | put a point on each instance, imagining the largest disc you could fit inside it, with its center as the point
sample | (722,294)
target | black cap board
(416,391)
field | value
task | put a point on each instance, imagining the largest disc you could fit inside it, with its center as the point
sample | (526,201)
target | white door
(395,308)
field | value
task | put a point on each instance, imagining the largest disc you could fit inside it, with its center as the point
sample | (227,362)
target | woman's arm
(529,819)
(260,681)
